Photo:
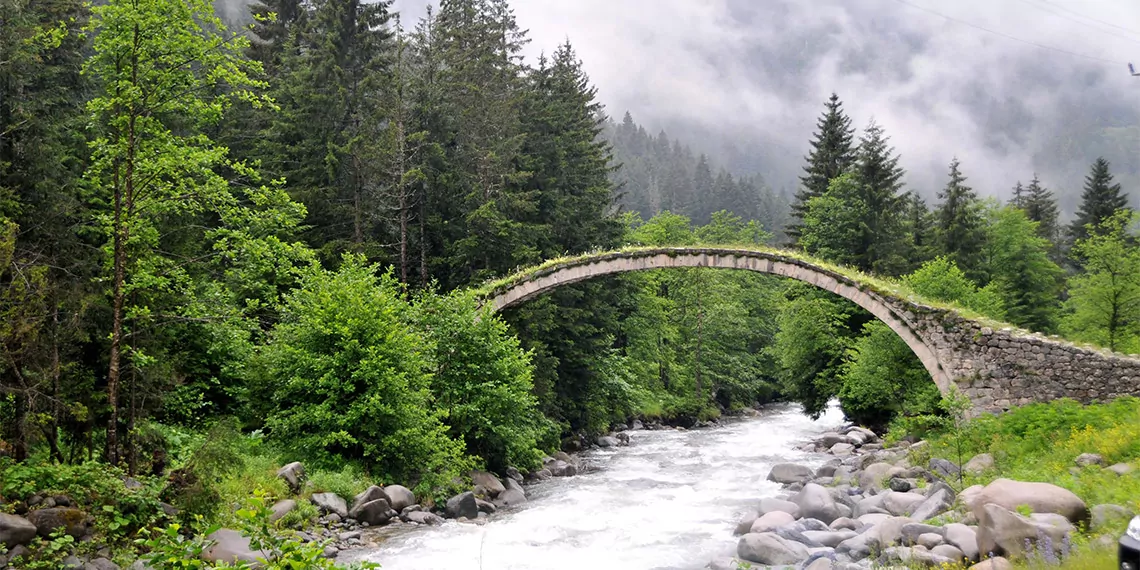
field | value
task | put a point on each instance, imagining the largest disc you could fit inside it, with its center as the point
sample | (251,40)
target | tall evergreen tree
(1099,201)
(918,223)
(882,247)
(1017,199)
(1040,206)
(958,220)
(832,153)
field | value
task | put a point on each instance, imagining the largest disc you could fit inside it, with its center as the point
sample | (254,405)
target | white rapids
(669,501)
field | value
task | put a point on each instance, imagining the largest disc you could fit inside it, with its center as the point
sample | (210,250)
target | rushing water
(669,501)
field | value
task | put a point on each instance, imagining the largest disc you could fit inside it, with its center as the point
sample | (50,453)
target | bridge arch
(894,313)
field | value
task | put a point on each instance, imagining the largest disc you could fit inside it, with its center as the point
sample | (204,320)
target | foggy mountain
(1011,87)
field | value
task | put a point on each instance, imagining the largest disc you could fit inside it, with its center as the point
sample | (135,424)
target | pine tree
(701,206)
(1040,206)
(1017,200)
(1099,201)
(918,223)
(832,153)
(882,247)
(958,220)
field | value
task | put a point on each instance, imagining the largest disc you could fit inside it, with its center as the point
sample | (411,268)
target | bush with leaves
(482,381)
(941,279)
(350,381)
(881,377)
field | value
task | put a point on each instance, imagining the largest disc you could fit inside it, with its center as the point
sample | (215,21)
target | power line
(1075,21)
(1007,36)
(1079,15)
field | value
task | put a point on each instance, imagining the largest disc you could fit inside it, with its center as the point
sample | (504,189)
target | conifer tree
(1017,199)
(702,196)
(832,153)
(918,223)
(1099,201)
(1040,206)
(958,220)
(879,177)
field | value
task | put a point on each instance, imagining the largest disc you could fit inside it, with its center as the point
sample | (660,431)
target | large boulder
(231,547)
(831,438)
(100,564)
(745,524)
(15,530)
(911,532)
(815,502)
(829,538)
(330,504)
(876,474)
(1104,515)
(963,538)
(293,474)
(376,512)
(282,508)
(772,521)
(932,506)
(842,450)
(608,441)
(944,467)
(979,464)
(1039,497)
(996,563)
(888,532)
(769,548)
(769,504)
(46,521)
(1121,469)
(462,505)
(1002,531)
(560,468)
(510,498)
(900,504)
(399,497)
(870,505)
(788,473)
(1089,459)
(487,484)
(367,496)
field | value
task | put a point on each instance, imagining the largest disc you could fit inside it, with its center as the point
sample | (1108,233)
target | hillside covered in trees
(269,234)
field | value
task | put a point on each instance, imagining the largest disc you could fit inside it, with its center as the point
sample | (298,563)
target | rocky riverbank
(870,506)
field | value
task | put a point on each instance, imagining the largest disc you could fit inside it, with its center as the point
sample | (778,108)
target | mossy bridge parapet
(996,366)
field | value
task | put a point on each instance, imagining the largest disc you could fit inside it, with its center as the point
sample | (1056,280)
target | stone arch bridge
(996,366)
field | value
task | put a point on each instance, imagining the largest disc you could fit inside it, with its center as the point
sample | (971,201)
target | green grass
(1040,442)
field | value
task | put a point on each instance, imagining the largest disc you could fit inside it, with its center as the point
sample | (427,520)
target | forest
(269,236)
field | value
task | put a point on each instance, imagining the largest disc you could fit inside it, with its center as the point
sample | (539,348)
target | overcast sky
(751,76)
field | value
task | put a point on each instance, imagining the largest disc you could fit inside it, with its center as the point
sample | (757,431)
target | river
(668,501)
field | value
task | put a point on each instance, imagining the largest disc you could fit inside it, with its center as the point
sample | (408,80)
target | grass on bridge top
(875,283)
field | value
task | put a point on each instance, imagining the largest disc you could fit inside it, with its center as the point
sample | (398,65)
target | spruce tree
(1017,200)
(832,153)
(960,234)
(1040,206)
(882,246)
(1099,201)
(702,206)
(918,223)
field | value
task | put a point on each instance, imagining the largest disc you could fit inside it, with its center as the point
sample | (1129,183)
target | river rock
(15,530)
(375,513)
(293,474)
(772,521)
(888,532)
(331,503)
(846,523)
(932,506)
(1089,459)
(929,540)
(608,441)
(1002,531)
(745,524)
(964,538)
(562,468)
(811,524)
(948,551)
(370,494)
(996,563)
(856,547)
(399,497)
(1039,497)
(231,547)
(829,538)
(875,474)
(788,473)
(842,449)
(485,506)
(944,467)
(423,517)
(870,505)
(770,504)
(282,508)
(100,563)
(510,498)
(72,520)
(828,469)
(910,532)
(1104,515)
(815,502)
(770,548)
(900,504)
(487,484)
(979,464)
(462,505)
(820,564)
(829,439)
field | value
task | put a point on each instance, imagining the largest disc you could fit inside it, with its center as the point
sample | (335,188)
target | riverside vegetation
(225,250)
